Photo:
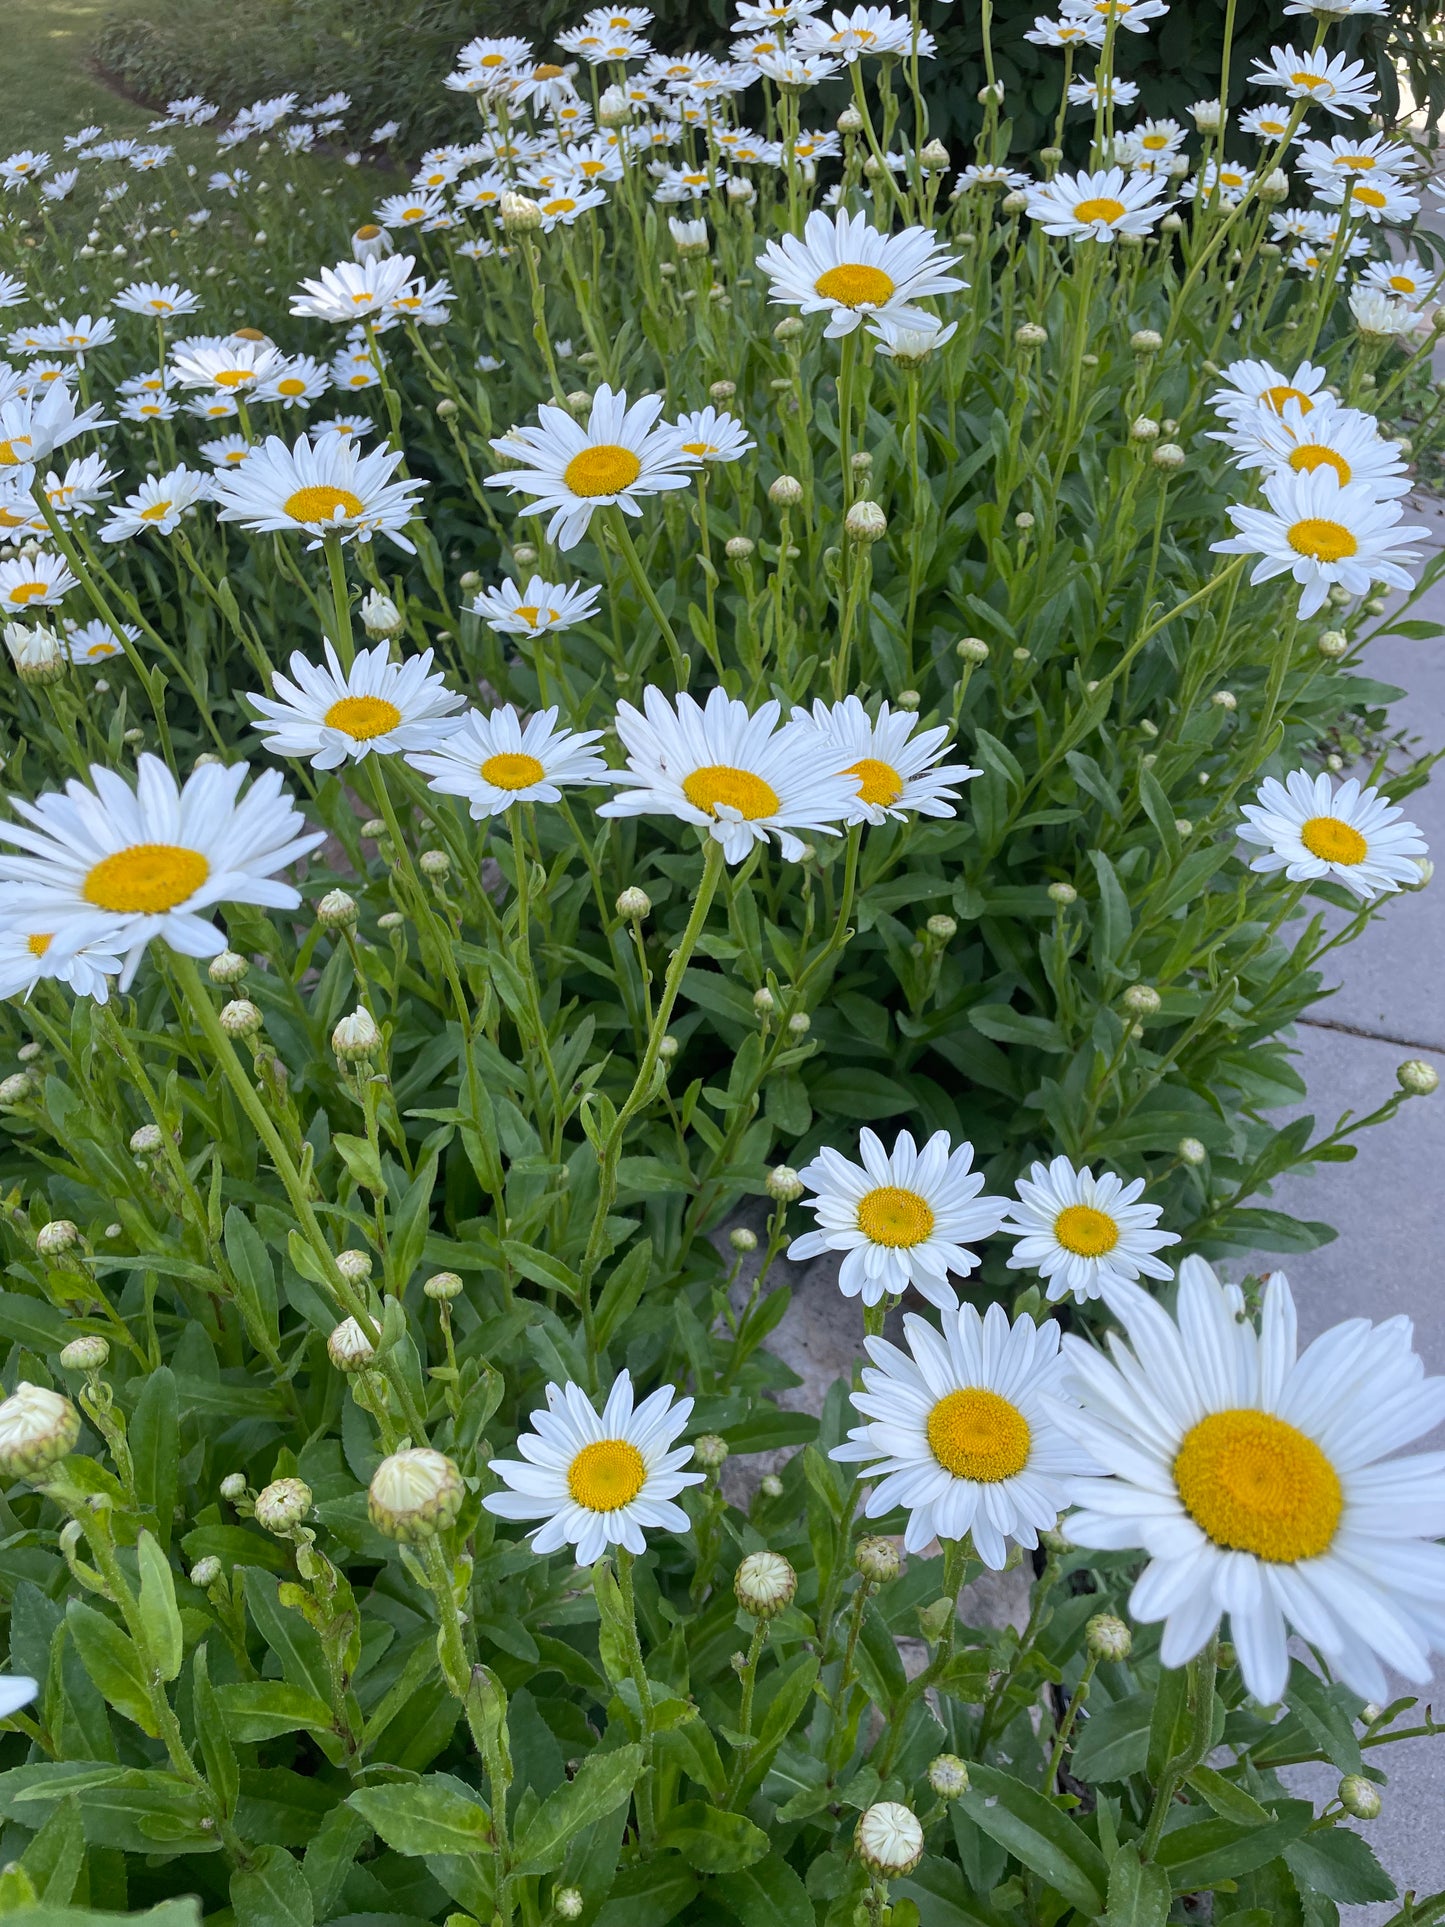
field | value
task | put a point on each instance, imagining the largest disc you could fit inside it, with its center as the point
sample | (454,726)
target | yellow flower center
(361,379)
(368,231)
(1402,283)
(1360,162)
(1371,197)
(292,385)
(40,942)
(1253,1483)
(1323,540)
(24,592)
(878,783)
(15,453)
(737,789)
(547,71)
(322,503)
(1276,398)
(1155,141)
(605,469)
(1311,81)
(247,334)
(10,520)
(1333,841)
(590,168)
(101,649)
(1086,1232)
(492,60)
(157,512)
(1231,177)
(855,286)
(564,204)
(1309,456)
(234,377)
(892,1216)
(146,879)
(606,1475)
(512,769)
(362,717)
(700,449)
(1103,209)
(975,1434)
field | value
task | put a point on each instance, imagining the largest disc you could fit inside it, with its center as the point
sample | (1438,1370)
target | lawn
(50,88)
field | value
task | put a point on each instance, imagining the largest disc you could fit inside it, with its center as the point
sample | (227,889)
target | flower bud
(53,1240)
(850,121)
(971,649)
(1025,521)
(738,548)
(337,911)
(784,1184)
(865,522)
(876,1559)
(1143,1000)
(1030,335)
(16,1089)
(1275,186)
(993,92)
(799,1024)
(1168,455)
(1146,341)
(889,1840)
(710,1451)
(941,928)
(227,968)
(240,1018)
(1106,1637)
(1360,1797)
(743,1240)
(282,1505)
(446,408)
(36,653)
(1063,894)
(634,903)
(349,1348)
(770,1486)
(88,1353)
(356,1039)
(786,492)
(1224,699)
(1208,116)
(146,1141)
(435,864)
(764,1002)
(380,615)
(1015,201)
(765,1584)
(1142,429)
(1427,871)
(1191,1151)
(567,1902)
(934,157)
(519,214)
(614,109)
(233,1486)
(948,1776)
(668,1049)
(442,1287)
(205,1572)
(414,1494)
(1333,643)
(1417,1078)
(391,920)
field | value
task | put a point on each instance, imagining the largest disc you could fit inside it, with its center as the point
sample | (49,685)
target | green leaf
(767,1894)
(331,1855)
(158,1611)
(115,1667)
(30,1321)
(220,1760)
(1203,1853)
(623,1289)
(272,1892)
(1169,1726)
(54,1857)
(1337,1863)
(649,1895)
(154,1437)
(287,1634)
(1139,1895)
(254,1271)
(543,1269)
(438,1814)
(256,1710)
(712,1840)
(1318,1706)
(1229,1800)
(858,1095)
(604,1781)
(1038,1834)
(184,1912)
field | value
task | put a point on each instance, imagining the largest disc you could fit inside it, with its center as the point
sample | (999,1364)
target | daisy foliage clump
(674,779)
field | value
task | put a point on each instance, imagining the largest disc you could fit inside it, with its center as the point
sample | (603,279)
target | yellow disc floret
(890,1215)
(145,880)
(735,789)
(606,1475)
(1254,1483)
(976,1434)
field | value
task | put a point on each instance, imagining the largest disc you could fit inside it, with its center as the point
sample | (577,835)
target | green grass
(49,87)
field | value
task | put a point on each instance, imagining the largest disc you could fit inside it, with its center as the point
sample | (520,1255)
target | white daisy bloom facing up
(1336,83)
(901,1217)
(598,1480)
(1083,1234)
(34,582)
(1379,198)
(354,289)
(158,506)
(1097,206)
(1322,531)
(623,453)
(326,487)
(1256,1478)
(1406,279)
(157,300)
(93,642)
(538,609)
(1311,830)
(713,435)
(848,269)
(1257,384)
(497,760)
(1344,440)
(157,858)
(328,715)
(967,1431)
(736,774)
(897,772)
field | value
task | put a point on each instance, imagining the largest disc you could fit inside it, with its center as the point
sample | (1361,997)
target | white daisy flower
(1267,124)
(35,425)
(228,451)
(156,858)
(1341,439)
(85,483)
(328,715)
(909,347)
(735,774)
(89,643)
(157,299)
(1356,154)
(354,289)
(1404,280)
(1117,93)
(296,383)
(1311,830)
(1250,385)
(29,582)
(1380,198)
(1381,317)
(1071,31)
(496,760)
(1322,531)
(77,952)
(622,453)
(158,505)
(1336,83)
(1256,1480)
(901,1218)
(1083,1233)
(967,1431)
(866,31)
(1097,206)
(541,608)
(325,487)
(78,337)
(228,363)
(1133,15)
(847,269)
(598,1481)
(567,203)
(897,772)
(712,435)
(147,409)
(1157,139)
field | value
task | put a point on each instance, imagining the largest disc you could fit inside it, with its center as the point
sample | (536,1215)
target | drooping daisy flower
(598,1480)
(1322,531)
(326,487)
(541,608)
(12,290)
(1097,206)
(713,435)
(1311,830)
(1083,1233)
(1342,439)
(967,1429)
(1382,318)
(497,760)
(229,363)
(1249,385)
(329,715)
(622,453)
(85,483)
(35,425)
(158,505)
(157,300)
(1256,1479)
(156,858)
(735,774)
(76,952)
(1336,83)
(897,772)
(353,289)
(901,1218)
(29,582)
(848,269)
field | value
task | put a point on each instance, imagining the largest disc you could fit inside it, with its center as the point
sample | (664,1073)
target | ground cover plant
(682,685)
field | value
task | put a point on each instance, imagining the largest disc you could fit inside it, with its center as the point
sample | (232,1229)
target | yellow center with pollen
(362,717)
(234,377)
(606,1475)
(1276,398)
(1311,81)
(1402,283)
(145,880)
(890,1215)
(547,71)
(1322,540)
(99,650)
(564,204)
(1086,1232)
(855,286)
(24,592)
(878,783)
(14,453)
(1155,141)
(368,231)
(512,769)
(292,385)
(40,942)
(976,1434)
(700,449)
(1361,163)
(322,503)
(735,789)
(10,520)
(157,512)
(605,469)
(1371,197)
(1103,209)
(1310,456)
(1333,841)
(247,334)
(1253,1483)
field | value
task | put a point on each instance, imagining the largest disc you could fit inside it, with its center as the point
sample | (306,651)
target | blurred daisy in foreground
(537,609)
(325,487)
(36,581)
(327,715)
(75,953)
(1083,1234)
(897,772)
(496,760)
(848,269)
(597,1480)
(903,1217)
(737,775)
(1133,15)
(1311,830)
(34,426)
(1256,1480)
(1097,206)
(967,1431)
(1322,531)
